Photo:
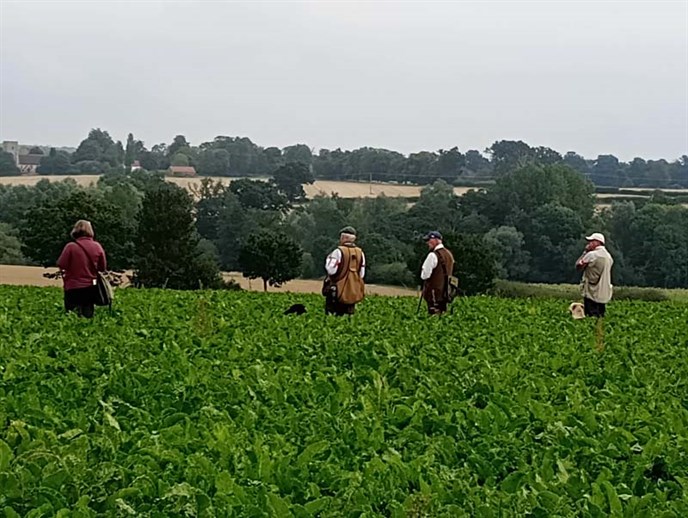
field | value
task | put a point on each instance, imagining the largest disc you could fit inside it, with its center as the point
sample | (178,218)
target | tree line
(99,153)
(528,226)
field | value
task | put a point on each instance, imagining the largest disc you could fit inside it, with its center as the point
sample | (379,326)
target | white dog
(577,310)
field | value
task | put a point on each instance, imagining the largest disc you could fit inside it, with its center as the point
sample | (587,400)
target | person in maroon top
(79,263)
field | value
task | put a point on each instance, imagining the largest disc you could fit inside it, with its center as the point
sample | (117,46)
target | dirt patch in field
(33,276)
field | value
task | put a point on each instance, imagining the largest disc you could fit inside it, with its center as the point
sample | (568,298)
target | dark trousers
(339,309)
(593,309)
(81,301)
(437,304)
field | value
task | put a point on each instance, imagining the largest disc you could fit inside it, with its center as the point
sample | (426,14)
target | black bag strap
(95,263)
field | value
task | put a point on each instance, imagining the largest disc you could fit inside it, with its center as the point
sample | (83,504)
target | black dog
(296,309)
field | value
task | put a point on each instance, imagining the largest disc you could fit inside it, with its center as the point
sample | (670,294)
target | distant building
(181,170)
(136,166)
(11,147)
(29,163)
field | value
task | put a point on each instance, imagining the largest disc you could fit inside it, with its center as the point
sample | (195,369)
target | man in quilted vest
(345,266)
(438,266)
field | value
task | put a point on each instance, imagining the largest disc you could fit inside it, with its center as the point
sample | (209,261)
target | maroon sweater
(79,268)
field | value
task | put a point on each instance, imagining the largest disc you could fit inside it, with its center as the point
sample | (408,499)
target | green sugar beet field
(216,404)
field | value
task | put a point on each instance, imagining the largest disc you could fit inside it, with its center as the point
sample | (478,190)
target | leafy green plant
(214,403)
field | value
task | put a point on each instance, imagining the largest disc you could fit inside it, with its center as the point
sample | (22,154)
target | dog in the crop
(577,310)
(296,309)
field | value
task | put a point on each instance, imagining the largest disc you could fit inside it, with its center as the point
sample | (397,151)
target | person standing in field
(435,272)
(79,264)
(596,264)
(344,285)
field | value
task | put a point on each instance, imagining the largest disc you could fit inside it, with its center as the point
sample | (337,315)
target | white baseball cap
(596,237)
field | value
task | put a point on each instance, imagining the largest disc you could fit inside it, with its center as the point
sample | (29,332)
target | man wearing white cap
(596,264)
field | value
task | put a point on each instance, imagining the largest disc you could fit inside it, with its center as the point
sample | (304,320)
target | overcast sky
(595,77)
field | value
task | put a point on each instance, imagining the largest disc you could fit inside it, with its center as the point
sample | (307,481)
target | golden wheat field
(33,276)
(343,189)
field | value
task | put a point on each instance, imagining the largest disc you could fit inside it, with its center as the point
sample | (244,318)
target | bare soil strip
(33,276)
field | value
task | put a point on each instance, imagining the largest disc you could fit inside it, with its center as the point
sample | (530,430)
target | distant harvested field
(645,189)
(326,187)
(33,276)
(343,189)
(604,195)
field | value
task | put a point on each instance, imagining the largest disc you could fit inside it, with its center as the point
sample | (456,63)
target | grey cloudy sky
(594,77)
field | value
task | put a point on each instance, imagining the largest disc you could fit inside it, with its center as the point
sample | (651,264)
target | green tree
(477,164)
(132,151)
(271,256)
(290,179)
(47,227)
(8,167)
(35,150)
(546,156)
(213,162)
(607,170)
(179,144)
(259,194)
(168,250)
(419,167)
(475,264)
(10,246)
(180,159)
(518,194)
(507,244)
(576,162)
(156,159)
(436,208)
(17,200)
(114,155)
(88,150)
(297,153)
(211,198)
(553,235)
(449,164)
(102,138)
(57,162)
(509,155)
(273,158)
(234,225)
(316,226)
(654,241)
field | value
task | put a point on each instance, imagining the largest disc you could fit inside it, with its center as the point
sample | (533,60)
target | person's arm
(585,260)
(362,270)
(65,258)
(332,262)
(428,266)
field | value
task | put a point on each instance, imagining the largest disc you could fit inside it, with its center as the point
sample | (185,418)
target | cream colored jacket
(597,275)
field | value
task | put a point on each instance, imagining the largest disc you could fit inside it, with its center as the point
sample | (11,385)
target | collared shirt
(334,260)
(430,263)
(597,275)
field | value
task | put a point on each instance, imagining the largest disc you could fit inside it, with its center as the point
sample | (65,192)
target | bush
(513,290)
(231,285)
(521,290)
(647,294)
(395,274)
(308,268)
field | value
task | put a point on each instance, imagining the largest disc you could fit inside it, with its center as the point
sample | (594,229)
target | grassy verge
(510,289)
